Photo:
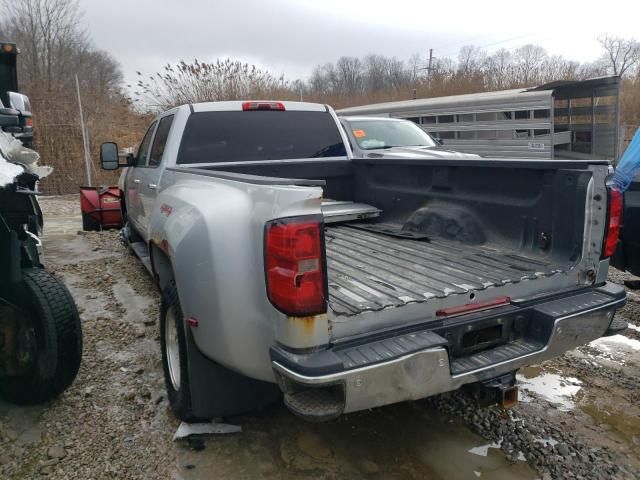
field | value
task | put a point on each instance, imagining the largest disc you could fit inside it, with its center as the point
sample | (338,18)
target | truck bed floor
(371,271)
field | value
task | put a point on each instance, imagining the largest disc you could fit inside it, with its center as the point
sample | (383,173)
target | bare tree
(499,68)
(349,74)
(415,66)
(470,59)
(49,33)
(557,67)
(376,72)
(528,59)
(98,71)
(621,54)
(318,83)
(399,76)
(200,82)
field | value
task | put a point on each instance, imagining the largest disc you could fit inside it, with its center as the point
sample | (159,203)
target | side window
(143,149)
(160,141)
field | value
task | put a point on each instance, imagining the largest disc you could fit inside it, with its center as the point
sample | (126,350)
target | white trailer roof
(524,98)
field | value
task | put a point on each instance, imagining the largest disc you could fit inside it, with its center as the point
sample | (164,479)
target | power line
(446,47)
(448,51)
(508,40)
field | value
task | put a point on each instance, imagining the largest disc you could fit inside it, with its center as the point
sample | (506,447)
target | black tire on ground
(89,224)
(171,317)
(206,388)
(58,334)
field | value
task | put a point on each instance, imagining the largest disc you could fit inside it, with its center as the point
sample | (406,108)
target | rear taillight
(614,222)
(295,265)
(263,106)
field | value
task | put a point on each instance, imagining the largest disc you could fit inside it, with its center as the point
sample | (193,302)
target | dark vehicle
(15,108)
(40,332)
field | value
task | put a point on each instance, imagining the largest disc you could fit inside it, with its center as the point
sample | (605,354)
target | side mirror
(109,156)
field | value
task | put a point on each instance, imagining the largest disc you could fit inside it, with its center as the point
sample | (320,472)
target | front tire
(48,319)
(174,354)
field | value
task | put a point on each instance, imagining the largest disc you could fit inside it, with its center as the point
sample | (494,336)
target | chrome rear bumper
(571,322)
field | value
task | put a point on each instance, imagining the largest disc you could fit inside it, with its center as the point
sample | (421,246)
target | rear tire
(174,354)
(54,318)
(205,389)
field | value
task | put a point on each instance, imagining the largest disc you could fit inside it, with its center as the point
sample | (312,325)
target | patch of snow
(187,429)
(554,388)
(15,159)
(616,344)
(547,442)
(634,327)
(483,450)
(8,171)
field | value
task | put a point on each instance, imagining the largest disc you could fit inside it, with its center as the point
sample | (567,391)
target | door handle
(136,180)
(152,186)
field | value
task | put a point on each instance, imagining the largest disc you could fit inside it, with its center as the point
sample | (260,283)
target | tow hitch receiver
(501,390)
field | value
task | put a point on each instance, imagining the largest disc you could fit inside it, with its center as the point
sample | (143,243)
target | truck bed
(369,271)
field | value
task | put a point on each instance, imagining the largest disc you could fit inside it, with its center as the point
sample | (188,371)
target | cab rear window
(213,137)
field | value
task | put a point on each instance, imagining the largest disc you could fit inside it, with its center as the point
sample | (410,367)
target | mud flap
(217,391)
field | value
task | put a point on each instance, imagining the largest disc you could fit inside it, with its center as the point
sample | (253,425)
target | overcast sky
(292,36)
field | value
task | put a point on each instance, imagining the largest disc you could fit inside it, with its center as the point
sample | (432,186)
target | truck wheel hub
(172,349)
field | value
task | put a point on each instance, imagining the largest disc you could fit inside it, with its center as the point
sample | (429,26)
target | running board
(142,252)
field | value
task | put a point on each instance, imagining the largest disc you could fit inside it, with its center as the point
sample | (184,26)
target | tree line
(55,46)
(373,78)
(524,66)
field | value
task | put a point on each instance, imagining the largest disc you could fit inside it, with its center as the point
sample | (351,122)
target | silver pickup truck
(287,266)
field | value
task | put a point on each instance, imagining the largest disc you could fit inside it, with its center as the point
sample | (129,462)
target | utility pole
(429,66)
(85,136)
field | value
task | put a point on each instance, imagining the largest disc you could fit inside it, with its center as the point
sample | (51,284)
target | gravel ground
(107,424)
(60,205)
(114,421)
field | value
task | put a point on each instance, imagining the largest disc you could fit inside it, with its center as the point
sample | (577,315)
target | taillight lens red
(295,266)
(614,223)
(263,106)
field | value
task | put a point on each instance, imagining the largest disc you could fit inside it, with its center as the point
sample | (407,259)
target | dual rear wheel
(197,387)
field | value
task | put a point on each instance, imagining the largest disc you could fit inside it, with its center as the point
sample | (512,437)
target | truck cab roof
(239,105)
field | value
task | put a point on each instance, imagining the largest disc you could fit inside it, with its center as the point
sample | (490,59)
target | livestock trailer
(558,120)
